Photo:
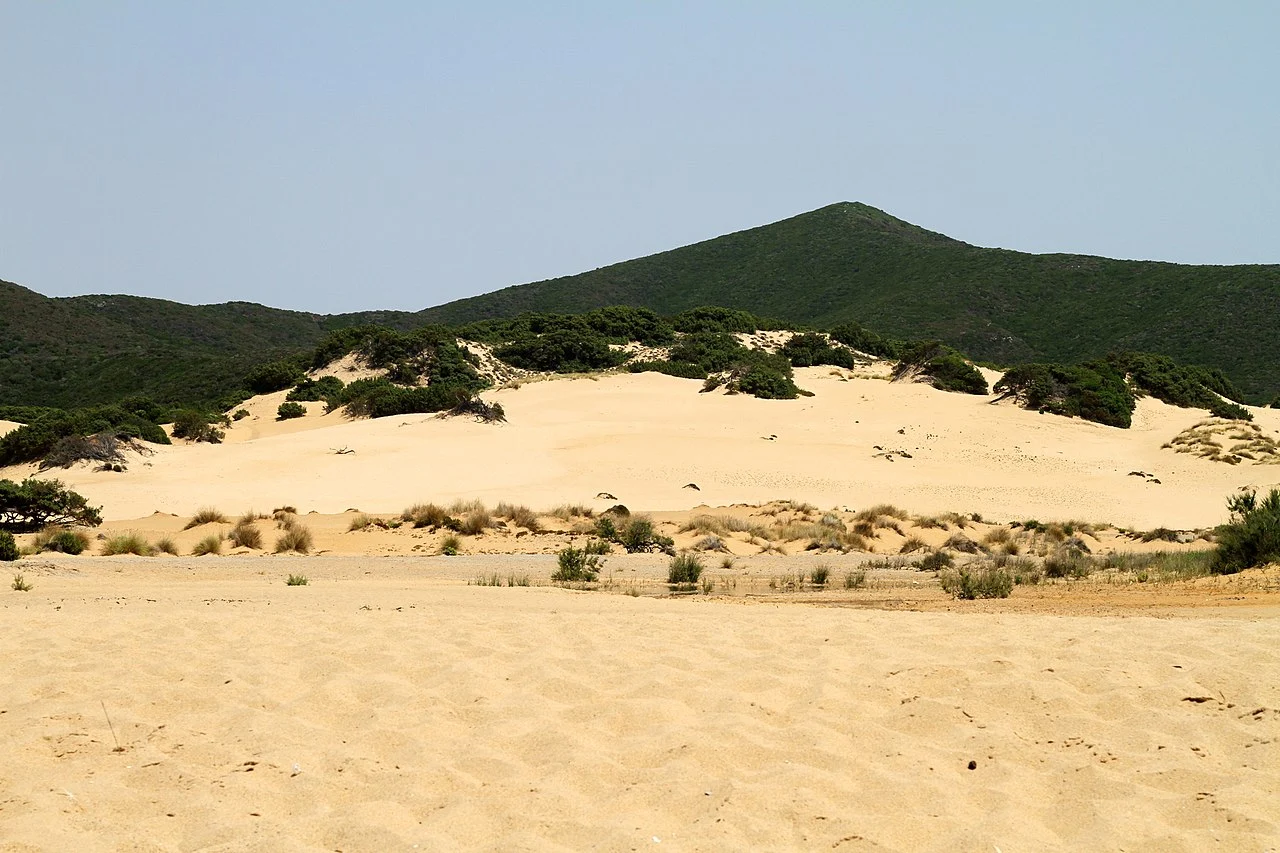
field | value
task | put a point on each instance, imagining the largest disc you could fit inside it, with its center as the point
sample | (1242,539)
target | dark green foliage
(639,535)
(947,370)
(562,351)
(577,566)
(380,398)
(67,542)
(276,376)
(1220,408)
(762,381)
(937,561)
(33,504)
(485,413)
(850,261)
(1252,537)
(618,324)
(195,425)
(863,340)
(684,568)
(315,390)
(607,528)
(1275,404)
(47,427)
(8,547)
(751,371)
(1177,384)
(681,369)
(810,350)
(709,318)
(288,411)
(1095,392)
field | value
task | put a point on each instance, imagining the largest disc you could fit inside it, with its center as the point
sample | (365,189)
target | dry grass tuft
(296,538)
(245,535)
(206,515)
(1228,441)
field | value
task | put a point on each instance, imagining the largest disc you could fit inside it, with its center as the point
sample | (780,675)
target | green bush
(294,538)
(296,580)
(33,504)
(45,428)
(8,547)
(855,337)
(1220,408)
(64,541)
(1252,536)
(935,562)
(196,426)
(1095,391)
(981,582)
(684,568)
(679,369)
(288,411)
(315,390)
(276,376)
(1177,384)
(577,566)
(714,319)
(820,575)
(811,349)
(562,351)
(639,535)
(946,369)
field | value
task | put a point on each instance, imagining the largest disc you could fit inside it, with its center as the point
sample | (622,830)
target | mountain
(843,262)
(850,261)
(94,349)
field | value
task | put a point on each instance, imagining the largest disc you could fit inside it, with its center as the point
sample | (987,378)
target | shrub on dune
(295,538)
(245,535)
(211,544)
(206,515)
(127,543)
(425,515)
(165,545)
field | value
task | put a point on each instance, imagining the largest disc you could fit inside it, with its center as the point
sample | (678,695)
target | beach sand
(388,706)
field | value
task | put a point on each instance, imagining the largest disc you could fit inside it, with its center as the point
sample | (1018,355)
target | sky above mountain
(337,157)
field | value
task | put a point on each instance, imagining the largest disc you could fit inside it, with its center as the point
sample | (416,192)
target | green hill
(849,261)
(843,262)
(85,350)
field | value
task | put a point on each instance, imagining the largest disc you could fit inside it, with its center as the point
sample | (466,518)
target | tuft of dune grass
(206,515)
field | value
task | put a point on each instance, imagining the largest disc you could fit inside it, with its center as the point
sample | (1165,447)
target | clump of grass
(926,522)
(493,579)
(820,574)
(519,515)
(206,515)
(127,543)
(20,583)
(960,521)
(874,512)
(727,563)
(450,545)
(913,543)
(517,580)
(935,562)
(296,538)
(710,542)
(598,547)
(245,535)
(211,544)
(296,580)
(165,545)
(887,523)
(568,512)
(684,569)
(970,582)
(63,540)
(476,522)
(1068,563)
(856,579)
(1163,566)
(577,566)
(962,543)
(465,507)
(997,536)
(425,515)
(865,527)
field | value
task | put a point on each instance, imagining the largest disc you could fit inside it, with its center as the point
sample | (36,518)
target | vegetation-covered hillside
(852,262)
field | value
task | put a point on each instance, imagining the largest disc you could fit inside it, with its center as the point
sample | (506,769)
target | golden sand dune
(644,438)
(384,708)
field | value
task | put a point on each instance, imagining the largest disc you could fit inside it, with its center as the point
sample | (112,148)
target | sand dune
(384,708)
(644,437)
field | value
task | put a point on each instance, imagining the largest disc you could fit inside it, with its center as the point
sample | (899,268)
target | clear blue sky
(341,156)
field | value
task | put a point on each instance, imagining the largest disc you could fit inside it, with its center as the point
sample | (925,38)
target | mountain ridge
(843,262)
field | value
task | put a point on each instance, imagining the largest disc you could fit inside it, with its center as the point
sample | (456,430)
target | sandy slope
(384,708)
(643,438)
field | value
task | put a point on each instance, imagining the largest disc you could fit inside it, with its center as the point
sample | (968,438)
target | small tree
(577,566)
(8,547)
(1252,537)
(33,504)
(290,410)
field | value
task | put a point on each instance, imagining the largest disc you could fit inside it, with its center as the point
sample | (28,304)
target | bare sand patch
(385,705)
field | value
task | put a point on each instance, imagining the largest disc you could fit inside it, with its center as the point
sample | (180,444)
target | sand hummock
(394,703)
